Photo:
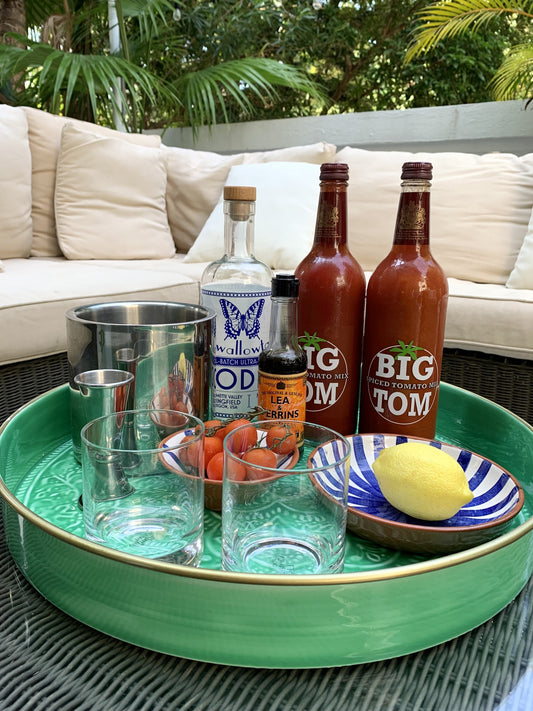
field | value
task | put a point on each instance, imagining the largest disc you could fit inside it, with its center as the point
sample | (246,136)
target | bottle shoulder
(408,265)
(248,271)
(418,279)
(318,263)
(320,277)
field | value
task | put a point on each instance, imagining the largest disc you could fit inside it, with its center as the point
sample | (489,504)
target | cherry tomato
(260,457)
(220,433)
(163,399)
(281,439)
(215,467)
(212,445)
(243,440)
(214,428)
(180,406)
(209,424)
(190,456)
(236,470)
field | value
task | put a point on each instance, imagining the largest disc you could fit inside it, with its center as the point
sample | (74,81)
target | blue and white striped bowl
(498,498)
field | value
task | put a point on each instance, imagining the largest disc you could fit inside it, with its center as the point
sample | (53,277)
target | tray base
(385,604)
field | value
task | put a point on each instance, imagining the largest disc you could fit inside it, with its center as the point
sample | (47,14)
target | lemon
(422,481)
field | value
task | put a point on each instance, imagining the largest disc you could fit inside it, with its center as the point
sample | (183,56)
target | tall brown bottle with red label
(407,298)
(330,310)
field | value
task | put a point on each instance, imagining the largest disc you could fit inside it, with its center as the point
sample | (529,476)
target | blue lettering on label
(239,335)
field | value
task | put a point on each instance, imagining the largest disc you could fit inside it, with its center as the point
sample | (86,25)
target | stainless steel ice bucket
(164,344)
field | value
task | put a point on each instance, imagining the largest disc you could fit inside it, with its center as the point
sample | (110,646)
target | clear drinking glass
(289,518)
(143,484)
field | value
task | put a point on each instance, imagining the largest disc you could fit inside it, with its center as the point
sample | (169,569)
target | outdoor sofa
(92,215)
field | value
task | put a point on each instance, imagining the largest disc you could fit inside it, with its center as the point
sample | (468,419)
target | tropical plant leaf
(514,78)
(149,13)
(76,73)
(449,18)
(60,76)
(38,12)
(202,91)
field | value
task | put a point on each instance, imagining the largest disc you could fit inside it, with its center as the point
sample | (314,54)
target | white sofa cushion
(44,132)
(286,205)
(36,293)
(196,179)
(490,318)
(480,208)
(522,275)
(15,184)
(110,199)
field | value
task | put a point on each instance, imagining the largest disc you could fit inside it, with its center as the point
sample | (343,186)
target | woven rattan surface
(21,382)
(51,662)
(506,381)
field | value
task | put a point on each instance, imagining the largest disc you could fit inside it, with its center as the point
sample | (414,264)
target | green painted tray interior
(39,468)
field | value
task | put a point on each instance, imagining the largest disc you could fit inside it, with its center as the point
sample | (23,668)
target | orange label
(282,396)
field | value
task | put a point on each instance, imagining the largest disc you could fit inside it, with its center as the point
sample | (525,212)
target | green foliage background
(196,62)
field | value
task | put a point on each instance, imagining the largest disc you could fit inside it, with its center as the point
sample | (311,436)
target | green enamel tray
(384,605)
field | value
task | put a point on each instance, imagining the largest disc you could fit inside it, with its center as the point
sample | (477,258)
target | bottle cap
(243,193)
(334,171)
(285,285)
(417,171)
(239,202)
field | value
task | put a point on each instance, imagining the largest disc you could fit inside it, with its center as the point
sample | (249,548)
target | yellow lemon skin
(422,481)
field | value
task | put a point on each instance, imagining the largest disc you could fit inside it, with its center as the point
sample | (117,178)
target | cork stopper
(239,192)
(239,201)
(417,171)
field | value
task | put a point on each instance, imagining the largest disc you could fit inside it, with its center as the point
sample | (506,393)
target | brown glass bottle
(282,365)
(407,298)
(330,310)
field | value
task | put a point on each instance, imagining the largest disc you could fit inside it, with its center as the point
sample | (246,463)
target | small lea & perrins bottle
(283,364)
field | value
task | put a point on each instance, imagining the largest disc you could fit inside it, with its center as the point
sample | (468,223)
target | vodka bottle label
(240,334)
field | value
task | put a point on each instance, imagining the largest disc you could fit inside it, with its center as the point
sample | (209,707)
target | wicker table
(50,661)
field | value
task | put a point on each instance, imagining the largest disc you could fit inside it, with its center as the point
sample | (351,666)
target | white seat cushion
(522,275)
(36,293)
(490,318)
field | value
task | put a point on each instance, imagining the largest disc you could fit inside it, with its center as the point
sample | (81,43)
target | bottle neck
(239,229)
(412,221)
(330,226)
(283,323)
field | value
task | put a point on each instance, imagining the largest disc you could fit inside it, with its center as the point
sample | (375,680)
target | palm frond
(38,12)
(449,18)
(150,14)
(205,89)
(514,78)
(109,82)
